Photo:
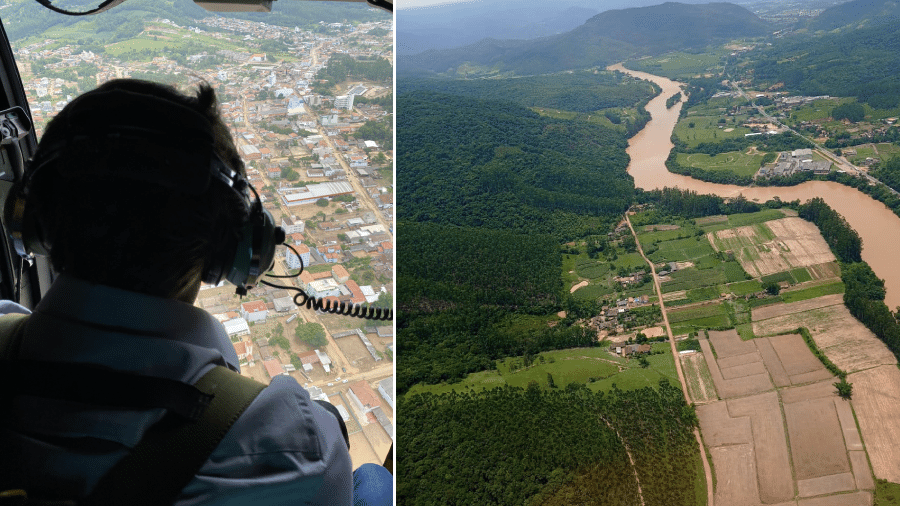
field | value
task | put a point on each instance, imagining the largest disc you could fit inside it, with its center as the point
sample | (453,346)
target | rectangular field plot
(795,356)
(813,292)
(773,464)
(681,250)
(698,377)
(876,400)
(735,470)
(817,440)
(776,246)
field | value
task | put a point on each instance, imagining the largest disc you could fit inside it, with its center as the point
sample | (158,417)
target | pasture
(742,164)
(594,367)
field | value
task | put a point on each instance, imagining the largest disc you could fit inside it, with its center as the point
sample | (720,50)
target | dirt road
(710,498)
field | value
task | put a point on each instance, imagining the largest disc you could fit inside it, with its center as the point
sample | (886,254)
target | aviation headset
(157,156)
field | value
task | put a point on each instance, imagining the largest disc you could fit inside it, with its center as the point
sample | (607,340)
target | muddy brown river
(878,226)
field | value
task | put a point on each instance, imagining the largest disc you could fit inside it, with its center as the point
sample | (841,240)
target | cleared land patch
(817,440)
(843,339)
(774,246)
(773,464)
(700,383)
(876,400)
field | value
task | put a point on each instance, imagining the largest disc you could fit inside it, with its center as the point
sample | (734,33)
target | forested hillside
(856,14)
(860,63)
(583,91)
(606,38)
(496,165)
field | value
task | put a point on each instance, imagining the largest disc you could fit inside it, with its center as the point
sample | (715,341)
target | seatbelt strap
(170,455)
(172,451)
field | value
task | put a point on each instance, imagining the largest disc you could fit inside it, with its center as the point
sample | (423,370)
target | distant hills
(857,14)
(606,38)
(27,18)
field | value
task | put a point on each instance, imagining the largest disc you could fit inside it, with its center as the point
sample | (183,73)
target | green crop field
(813,292)
(741,164)
(745,287)
(697,312)
(801,275)
(687,279)
(681,250)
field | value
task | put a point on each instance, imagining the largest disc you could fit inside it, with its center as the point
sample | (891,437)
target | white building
(292,225)
(237,327)
(284,304)
(324,359)
(292,261)
(324,288)
(344,102)
(311,193)
(386,389)
(255,311)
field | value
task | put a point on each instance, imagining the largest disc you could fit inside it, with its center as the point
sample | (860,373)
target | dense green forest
(477,266)
(859,63)
(497,165)
(888,172)
(342,67)
(558,446)
(582,91)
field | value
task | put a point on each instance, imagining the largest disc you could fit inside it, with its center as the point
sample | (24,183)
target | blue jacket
(284,449)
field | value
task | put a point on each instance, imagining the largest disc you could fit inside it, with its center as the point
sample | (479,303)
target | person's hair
(125,233)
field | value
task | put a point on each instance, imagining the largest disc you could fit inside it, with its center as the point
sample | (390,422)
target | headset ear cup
(22,226)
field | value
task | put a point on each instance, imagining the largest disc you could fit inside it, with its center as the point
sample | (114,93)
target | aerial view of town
(310,106)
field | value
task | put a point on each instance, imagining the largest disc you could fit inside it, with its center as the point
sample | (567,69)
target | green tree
(772,288)
(844,389)
(312,334)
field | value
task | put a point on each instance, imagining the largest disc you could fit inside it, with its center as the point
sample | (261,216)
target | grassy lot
(707,129)
(679,250)
(744,287)
(635,376)
(817,110)
(592,291)
(742,219)
(576,365)
(886,493)
(813,292)
(801,275)
(778,277)
(696,312)
(691,319)
(740,163)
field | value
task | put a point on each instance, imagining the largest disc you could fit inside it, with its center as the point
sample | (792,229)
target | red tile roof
(365,394)
(252,307)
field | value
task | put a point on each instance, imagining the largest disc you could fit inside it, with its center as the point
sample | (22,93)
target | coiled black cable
(339,308)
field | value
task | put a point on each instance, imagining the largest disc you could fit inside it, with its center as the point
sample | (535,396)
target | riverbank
(878,226)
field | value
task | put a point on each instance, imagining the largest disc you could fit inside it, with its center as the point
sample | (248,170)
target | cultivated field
(876,400)
(774,246)
(700,383)
(780,436)
(849,344)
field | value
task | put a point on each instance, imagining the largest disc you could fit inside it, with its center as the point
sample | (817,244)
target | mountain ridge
(606,38)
